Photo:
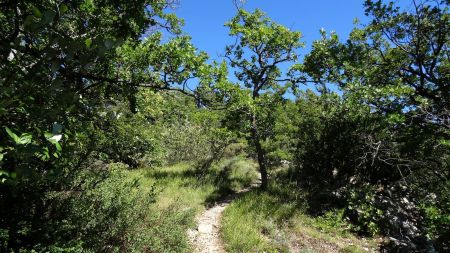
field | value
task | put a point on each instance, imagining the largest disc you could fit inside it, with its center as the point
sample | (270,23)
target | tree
(66,67)
(399,66)
(397,70)
(400,60)
(58,67)
(413,47)
(261,47)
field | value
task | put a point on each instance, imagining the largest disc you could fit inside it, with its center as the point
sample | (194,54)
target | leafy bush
(103,210)
(436,209)
(132,140)
(234,173)
(333,219)
(364,212)
(185,142)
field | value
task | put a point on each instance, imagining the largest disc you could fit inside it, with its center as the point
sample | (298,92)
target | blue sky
(205,19)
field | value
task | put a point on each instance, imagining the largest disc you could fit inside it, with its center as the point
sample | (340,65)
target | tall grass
(276,221)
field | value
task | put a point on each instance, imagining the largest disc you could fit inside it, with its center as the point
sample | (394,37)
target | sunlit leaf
(13,136)
(88,42)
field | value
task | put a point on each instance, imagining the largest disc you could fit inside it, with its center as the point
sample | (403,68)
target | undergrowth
(183,191)
(276,221)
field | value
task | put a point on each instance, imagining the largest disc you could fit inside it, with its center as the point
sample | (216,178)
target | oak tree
(262,47)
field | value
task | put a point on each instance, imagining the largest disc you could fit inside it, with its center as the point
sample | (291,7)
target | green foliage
(275,221)
(333,219)
(436,208)
(188,133)
(335,140)
(282,144)
(91,204)
(113,209)
(234,173)
(66,76)
(387,127)
(79,107)
(369,215)
(268,43)
(397,63)
(130,139)
(108,209)
(58,63)
(261,46)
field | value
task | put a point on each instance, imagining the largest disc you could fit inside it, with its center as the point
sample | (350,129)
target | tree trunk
(260,153)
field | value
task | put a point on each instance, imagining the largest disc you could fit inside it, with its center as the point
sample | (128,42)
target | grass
(270,221)
(275,221)
(183,192)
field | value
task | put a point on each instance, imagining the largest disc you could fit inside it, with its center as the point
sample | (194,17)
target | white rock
(205,228)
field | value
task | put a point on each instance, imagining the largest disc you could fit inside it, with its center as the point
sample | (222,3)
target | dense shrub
(132,140)
(436,209)
(379,168)
(185,142)
(234,173)
(91,213)
(103,210)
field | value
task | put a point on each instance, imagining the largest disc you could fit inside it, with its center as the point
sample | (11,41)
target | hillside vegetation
(117,133)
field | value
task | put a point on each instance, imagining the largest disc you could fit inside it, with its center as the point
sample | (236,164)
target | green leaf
(63,9)
(445,142)
(48,135)
(58,146)
(13,136)
(25,139)
(36,12)
(88,5)
(88,42)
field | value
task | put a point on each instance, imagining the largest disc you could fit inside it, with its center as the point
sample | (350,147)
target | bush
(363,211)
(185,142)
(235,173)
(436,209)
(128,138)
(103,209)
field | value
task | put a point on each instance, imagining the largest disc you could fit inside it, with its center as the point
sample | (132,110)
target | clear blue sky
(205,19)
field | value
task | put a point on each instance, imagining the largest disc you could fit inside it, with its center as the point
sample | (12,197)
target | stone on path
(205,228)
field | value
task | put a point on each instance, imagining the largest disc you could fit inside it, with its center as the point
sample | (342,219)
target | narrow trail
(206,238)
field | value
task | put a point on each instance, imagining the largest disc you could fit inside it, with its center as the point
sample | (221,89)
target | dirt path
(206,238)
